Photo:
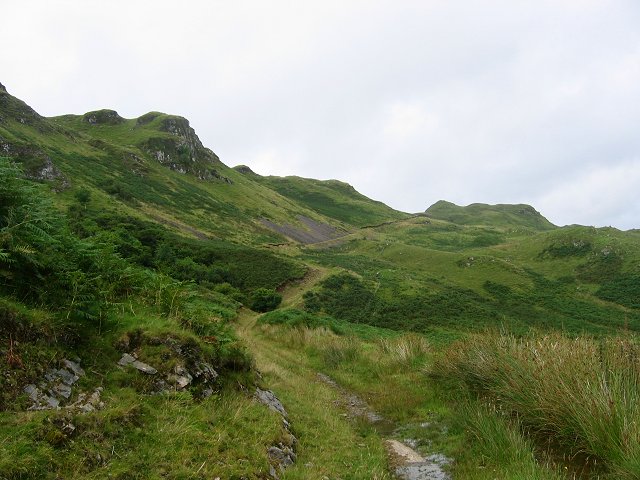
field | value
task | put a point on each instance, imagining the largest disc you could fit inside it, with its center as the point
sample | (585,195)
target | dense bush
(549,304)
(622,289)
(264,300)
(349,298)
(41,261)
(205,261)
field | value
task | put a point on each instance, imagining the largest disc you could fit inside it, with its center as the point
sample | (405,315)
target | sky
(493,101)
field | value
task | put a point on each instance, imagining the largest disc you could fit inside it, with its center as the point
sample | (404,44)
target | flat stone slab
(137,364)
(412,466)
(406,453)
(74,367)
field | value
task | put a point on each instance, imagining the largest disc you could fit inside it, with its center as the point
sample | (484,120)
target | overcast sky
(409,101)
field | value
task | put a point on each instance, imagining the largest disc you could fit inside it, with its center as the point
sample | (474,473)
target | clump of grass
(496,441)
(405,349)
(333,349)
(582,393)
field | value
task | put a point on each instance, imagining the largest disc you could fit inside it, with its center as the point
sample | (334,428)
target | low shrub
(264,300)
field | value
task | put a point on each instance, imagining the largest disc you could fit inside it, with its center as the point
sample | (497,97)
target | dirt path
(299,384)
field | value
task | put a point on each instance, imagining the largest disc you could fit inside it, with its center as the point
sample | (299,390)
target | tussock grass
(497,448)
(582,393)
(405,349)
(389,353)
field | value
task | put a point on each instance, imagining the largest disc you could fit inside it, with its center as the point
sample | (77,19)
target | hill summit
(503,215)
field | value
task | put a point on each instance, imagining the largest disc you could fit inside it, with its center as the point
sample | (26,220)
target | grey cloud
(411,101)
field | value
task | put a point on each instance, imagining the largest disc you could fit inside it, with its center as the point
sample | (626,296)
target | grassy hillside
(434,276)
(136,239)
(493,215)
(153,167)
(332,198)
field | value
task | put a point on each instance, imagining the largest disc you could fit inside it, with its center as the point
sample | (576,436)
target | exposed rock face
(37,164)
(183,153)
(190,371)
(49,172)
(14,109)
(245,170)
(103,117)
(283,455)
(268,398)
(137,364)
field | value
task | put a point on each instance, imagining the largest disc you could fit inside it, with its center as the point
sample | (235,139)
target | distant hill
(332,198)
(501,215)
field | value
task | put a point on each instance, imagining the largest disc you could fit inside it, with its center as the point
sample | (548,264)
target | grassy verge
(494,447)
(581,394)
(141,432)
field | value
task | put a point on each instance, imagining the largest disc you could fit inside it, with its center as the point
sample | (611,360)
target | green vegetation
(292,317)
(549,304)
(264,300)
(334,199)
(510,216)
(581,393)
(623,289)
(388,373)
(91,299)
(134,238)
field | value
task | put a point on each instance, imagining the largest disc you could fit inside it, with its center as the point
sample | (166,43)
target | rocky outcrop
(128,359)
(268,398)
(182,150)
(190,371)
(12,108)
(281,455)
(55,390)
(103,117)
(36,163)
(245,170)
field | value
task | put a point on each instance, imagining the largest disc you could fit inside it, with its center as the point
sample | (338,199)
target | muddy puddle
(409,464)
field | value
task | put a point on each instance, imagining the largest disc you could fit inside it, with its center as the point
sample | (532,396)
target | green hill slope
(435,276)
(332,198)
(155,167)
(137,250)
(492,215)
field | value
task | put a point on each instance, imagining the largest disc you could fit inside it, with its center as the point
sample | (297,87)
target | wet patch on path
(409,464)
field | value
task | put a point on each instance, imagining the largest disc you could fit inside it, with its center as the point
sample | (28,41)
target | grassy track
(328,444)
